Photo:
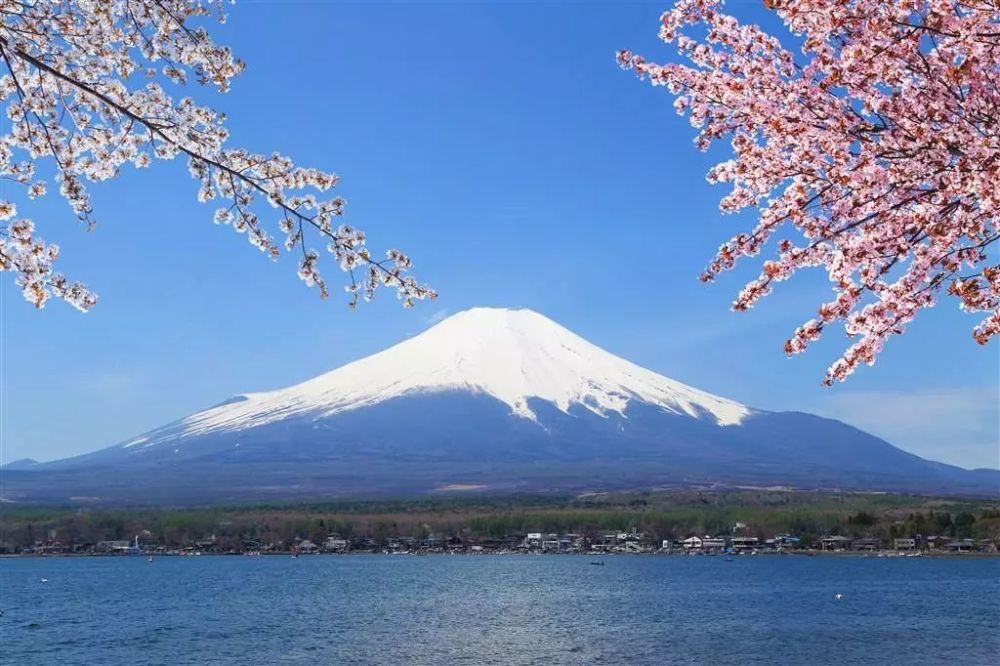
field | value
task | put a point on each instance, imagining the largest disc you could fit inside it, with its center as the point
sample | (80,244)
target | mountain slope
(509,355)
(489,399)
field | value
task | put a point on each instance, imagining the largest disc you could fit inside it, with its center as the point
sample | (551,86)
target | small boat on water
(597,564)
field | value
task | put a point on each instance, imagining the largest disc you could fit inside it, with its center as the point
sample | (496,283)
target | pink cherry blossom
(85,89)
(873,153)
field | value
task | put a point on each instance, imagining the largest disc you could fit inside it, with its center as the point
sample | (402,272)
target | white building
(533,540)
(744,542)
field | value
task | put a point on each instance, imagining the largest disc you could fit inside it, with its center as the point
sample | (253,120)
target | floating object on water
(597,564)
(45,580)
(150,558)
(838,596)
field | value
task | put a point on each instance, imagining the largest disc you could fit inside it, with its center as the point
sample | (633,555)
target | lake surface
(439,609)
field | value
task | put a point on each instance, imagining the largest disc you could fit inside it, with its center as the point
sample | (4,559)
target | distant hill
(489,400)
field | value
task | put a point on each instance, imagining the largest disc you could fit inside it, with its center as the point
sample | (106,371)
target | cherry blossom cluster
(32,259)
(874,153)
(85,85)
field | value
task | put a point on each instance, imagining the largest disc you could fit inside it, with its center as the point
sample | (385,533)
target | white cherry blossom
(84,85)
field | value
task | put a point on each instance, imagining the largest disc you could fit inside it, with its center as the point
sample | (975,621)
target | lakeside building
(744,543)
(52,546)
(402,544)
(834,543)
(612,542)
(705,544)
(306,546)
(865,544)
(961,546)
(119,547)
(787,541)
(904,544)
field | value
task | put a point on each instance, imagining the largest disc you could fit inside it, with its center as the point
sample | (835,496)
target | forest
(809,516)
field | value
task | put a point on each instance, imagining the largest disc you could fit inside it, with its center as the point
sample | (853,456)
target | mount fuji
(488,400)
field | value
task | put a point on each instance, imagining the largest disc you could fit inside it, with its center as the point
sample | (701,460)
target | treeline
(664,515)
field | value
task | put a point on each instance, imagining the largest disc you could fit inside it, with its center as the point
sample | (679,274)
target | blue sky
(501,146)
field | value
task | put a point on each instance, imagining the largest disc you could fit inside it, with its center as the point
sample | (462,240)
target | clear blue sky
(503,148)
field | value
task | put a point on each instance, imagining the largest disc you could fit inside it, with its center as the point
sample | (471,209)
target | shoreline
(286,553)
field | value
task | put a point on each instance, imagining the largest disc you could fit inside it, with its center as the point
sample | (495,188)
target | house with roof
(306,546)
(744,543)
(960,546)
(533,540)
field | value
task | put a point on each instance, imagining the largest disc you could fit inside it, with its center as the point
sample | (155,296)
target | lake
(439,609)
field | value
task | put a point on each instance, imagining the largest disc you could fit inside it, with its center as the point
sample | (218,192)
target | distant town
(630,542)
(675,522)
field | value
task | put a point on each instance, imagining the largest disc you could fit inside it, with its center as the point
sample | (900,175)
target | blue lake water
(371,609)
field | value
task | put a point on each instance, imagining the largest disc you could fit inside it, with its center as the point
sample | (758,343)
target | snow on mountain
(503,401)
(511,355)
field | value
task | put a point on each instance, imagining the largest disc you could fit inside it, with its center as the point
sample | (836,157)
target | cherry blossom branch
(69,63)
(881,149)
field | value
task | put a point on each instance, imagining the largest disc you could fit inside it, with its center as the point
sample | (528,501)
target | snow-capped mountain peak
(489,400)
(512,355)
